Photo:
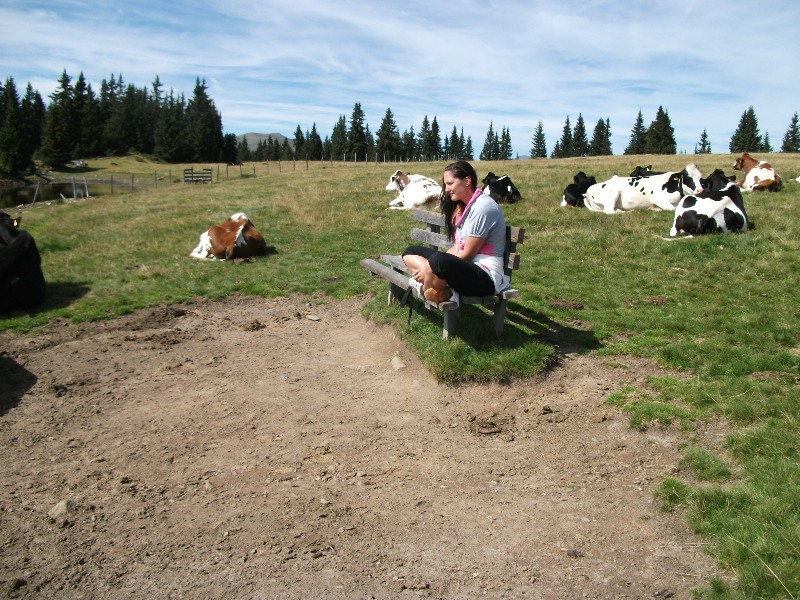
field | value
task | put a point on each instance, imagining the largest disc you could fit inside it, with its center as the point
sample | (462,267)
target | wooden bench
(394,270)
(192,176)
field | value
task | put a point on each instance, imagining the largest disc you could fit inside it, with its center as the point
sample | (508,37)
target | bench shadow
(522,324)
(17,380)
(565,339)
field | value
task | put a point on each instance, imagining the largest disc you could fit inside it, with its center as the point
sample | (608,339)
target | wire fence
(85,181)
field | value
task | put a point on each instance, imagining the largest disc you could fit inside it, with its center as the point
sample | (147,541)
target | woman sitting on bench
(473,266)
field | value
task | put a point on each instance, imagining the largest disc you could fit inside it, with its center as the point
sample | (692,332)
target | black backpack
(21,279)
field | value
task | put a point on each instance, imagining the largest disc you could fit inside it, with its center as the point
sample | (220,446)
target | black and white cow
(657,192)
(501,188)
(716,181)
(573,193)
(711,212)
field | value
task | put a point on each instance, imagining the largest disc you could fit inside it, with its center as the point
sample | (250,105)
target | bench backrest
(433,237)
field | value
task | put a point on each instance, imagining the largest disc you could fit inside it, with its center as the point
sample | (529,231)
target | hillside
(254,138)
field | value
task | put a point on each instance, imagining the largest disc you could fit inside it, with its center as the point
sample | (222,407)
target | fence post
(240,170)
(217,172)
(254,169)
(74,191)
(132,185)
(170,176)
(86,186)
(112,184)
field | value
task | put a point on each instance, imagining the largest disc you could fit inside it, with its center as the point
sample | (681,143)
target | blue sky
(271,66)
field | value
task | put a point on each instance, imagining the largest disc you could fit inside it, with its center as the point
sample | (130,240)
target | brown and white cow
(235,238)
(413,190)
(758,175)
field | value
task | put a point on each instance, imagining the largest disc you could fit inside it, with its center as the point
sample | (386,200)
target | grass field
(722,310)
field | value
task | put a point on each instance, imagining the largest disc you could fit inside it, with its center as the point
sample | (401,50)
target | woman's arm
(472,246)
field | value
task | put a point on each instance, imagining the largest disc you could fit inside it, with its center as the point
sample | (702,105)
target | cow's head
(397,182)
(642,171)
(683,182)
(716,181)
(742,161)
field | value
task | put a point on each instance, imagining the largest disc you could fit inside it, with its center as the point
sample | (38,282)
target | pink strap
(478,192)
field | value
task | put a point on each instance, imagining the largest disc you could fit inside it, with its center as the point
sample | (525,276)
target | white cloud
(271,66)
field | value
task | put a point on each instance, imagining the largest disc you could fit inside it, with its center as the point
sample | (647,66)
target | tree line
(121,118)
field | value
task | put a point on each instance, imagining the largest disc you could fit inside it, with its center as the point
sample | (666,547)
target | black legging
(463,276)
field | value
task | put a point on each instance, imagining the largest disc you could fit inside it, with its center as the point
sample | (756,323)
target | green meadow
(720,310)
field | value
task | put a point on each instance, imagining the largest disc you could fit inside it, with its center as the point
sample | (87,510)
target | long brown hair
(460,169)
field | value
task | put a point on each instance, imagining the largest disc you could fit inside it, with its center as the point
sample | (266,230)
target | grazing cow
(758,175)
(414,190)
(573,193)
(716,181)
(501,188)
(711,212)
(657,192)
(22,284)
(235,238)
(645,172)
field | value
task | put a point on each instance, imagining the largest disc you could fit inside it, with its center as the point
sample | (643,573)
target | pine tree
(423,139)
(338,146)
(299,144)
(597,147)
(765,144)
(370,142)
(286,150)
(203,125)
(12,150)
(746,138)
(660,135)
(434,142)
(468,151)
(32,112)
(243,153)
(539,145)
(638,142)
(791,139)
(314,144)
(229,148)
(58,138)
(505,145)
(580,143)
(169,139)
(703,146)
(388,138)
(455,147)
(563,147)
(408,144)
(487,153)
(357,135)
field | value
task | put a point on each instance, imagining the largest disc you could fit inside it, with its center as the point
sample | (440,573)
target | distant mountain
(254,138)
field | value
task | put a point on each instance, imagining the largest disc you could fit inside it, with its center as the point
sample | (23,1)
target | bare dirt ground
(257,448)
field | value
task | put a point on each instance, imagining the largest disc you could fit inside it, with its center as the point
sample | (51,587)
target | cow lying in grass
(235,238)
(711,212)
(501,188)
(413,190)
(573,193)
(656,192)
(758,175)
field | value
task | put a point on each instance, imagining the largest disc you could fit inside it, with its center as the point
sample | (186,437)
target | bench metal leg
(450,320)
(500,316)
(395,293)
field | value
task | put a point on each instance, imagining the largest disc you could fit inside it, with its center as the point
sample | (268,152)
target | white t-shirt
(483,218)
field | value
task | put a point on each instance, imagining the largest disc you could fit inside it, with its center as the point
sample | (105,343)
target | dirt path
(256,448)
